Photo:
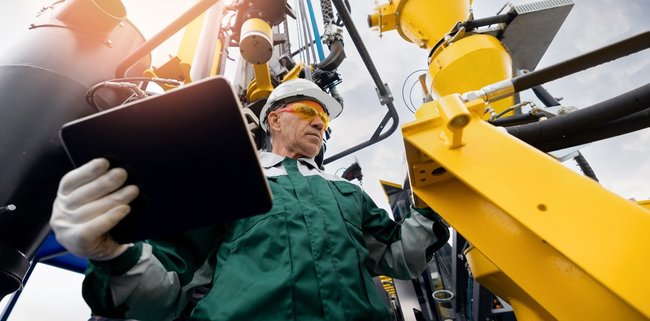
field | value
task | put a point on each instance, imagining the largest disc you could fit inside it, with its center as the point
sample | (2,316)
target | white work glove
(88,204)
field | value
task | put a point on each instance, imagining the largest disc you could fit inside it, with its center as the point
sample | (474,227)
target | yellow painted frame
(560,246)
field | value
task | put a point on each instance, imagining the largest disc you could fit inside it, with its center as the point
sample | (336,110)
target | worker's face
(297,134)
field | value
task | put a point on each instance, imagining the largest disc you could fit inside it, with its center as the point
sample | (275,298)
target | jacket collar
(268,160)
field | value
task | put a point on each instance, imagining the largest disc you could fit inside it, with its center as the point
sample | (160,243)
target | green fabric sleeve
(401,250)
(95,287)
(142,284)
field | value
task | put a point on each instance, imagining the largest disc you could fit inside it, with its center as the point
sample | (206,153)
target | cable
(511,108)
(122,83)
(404,86)
(411,96)
(545,97)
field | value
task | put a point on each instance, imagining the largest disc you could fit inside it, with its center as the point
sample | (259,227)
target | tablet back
(188,150)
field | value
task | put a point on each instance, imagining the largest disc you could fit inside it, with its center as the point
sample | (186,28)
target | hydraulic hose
(515,120)
(503,18)
(599,56)
(335,57)
(628,124)
(548,100)
(584,119)
(545,97)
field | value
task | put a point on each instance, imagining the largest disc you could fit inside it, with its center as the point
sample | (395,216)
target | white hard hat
(298,89)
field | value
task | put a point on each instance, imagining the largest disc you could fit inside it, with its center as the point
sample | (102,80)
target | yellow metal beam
(577,250)
(261,86)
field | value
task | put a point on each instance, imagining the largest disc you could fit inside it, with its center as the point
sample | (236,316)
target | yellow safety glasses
(306,112)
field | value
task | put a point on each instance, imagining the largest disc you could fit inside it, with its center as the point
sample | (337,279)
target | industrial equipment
(525,246)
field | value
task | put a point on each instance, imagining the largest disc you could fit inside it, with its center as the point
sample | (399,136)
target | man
(311,257)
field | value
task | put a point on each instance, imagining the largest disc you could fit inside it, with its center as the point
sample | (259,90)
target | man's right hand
(89,203)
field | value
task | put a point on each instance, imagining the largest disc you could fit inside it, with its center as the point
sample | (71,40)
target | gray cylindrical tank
(43,82)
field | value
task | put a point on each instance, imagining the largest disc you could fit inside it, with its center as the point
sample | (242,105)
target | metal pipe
(163,35)
(206,45)
(599,56)
(307,38)
(365,144)
(358,43)
(382,89)
(314,26)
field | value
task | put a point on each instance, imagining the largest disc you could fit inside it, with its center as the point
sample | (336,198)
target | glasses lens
(308,112)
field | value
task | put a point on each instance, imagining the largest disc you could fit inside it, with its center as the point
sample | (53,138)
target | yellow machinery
(256,47)
(458,62)
(542,252)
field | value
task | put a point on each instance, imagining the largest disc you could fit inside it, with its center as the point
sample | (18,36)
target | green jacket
(311,257)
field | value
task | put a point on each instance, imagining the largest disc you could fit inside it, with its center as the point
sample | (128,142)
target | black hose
(628,124)
(516,120)
(545,97)
(548,100)
(599,56)
(335,57)
(473,24)
(584,119)
(585,167)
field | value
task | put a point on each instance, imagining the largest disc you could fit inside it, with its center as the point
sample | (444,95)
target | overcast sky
(620,163)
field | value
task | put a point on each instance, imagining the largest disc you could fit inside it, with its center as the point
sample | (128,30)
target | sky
(620,163)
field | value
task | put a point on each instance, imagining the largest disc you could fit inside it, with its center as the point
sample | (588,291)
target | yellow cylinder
(256,41)
(469,64)
(422,22)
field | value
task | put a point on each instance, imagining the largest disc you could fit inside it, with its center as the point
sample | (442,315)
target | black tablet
(188,150)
